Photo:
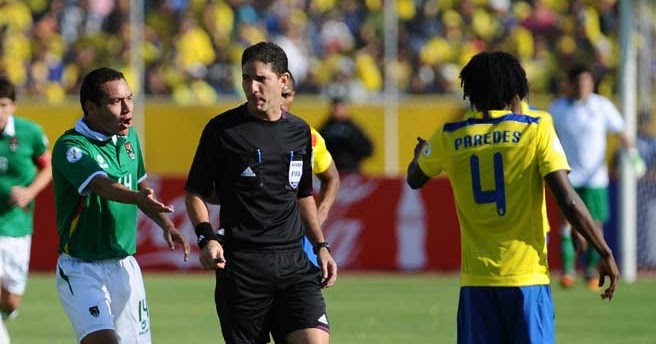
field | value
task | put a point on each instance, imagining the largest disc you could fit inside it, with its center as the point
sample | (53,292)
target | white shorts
(14,262)
(106,294)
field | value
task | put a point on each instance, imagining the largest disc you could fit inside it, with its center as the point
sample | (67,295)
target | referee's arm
(211,254)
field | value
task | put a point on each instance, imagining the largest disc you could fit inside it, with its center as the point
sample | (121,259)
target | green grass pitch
(363,309)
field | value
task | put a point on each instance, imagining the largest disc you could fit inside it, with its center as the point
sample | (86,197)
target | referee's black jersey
(259,169)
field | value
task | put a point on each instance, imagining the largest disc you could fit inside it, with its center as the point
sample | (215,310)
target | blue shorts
(309,250)
(493,315)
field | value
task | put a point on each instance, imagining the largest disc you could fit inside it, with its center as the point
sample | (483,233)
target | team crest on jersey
(101,162)
(428,149)
(94,311)
(13,144)
(130,151)
(73,154)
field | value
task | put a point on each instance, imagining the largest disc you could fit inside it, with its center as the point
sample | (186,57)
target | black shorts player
(257,159)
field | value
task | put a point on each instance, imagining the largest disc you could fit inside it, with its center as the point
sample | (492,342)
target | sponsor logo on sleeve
(73,154)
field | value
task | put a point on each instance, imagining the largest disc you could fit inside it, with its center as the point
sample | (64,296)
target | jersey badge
(13,144)
(428,149)
(94,311)
(73,154)
(101,162)
(248,172)
(130,151)
(295,172)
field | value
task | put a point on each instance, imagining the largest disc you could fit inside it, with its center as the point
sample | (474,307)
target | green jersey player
(99,180)
(24,171)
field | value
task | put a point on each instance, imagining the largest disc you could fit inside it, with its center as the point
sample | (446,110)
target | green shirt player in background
(497,162)
(99,180)
(24,171)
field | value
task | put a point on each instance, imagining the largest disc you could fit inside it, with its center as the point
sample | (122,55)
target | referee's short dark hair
(90,89)
(267,53)
(492,79)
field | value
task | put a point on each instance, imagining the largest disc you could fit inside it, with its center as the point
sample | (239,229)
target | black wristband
(205,233)
(319,246)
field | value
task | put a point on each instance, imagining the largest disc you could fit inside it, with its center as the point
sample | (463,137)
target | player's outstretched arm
(579,217)
(171,234)
(115,191)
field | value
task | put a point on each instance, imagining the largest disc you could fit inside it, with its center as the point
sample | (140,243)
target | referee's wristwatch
(319,246)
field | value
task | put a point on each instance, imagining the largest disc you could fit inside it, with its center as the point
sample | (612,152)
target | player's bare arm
(578,215)
(22,196)
(211,254)
(329,187)
(115,191)
(416,177)
(309,215)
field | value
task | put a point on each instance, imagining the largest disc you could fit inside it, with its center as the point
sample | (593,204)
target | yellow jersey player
(497,162)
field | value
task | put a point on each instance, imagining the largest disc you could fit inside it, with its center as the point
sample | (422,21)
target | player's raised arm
(416,178)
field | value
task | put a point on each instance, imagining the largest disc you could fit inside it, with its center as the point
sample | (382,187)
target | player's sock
(4,334)
(567,253)
(592,258)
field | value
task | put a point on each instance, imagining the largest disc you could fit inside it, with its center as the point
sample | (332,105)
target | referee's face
(263,89)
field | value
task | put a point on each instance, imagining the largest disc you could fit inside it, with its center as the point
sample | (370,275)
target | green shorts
(596,199)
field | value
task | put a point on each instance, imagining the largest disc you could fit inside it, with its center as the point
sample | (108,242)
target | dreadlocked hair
(492,79)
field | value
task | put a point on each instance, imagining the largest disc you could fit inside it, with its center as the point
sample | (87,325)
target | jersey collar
(82,128)
(493,113)
(10,127)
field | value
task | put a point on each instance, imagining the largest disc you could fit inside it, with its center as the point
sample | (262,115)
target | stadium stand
(192,47)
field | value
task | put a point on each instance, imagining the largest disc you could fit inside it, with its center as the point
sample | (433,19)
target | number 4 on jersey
(498,195)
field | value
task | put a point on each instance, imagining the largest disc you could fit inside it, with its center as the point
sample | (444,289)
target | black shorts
(268,291)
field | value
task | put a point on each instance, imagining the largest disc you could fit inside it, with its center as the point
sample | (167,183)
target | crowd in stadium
(192,47)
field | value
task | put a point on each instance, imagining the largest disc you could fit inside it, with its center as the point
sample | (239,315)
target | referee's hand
(328,268)
(211,256)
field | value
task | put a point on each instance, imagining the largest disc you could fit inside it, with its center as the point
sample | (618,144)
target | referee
(258,159)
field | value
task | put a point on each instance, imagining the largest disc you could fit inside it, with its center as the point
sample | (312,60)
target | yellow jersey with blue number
(496,167)
(321,158)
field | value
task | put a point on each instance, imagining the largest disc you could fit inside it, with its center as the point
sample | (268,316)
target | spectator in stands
(345,140)
(437,38)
